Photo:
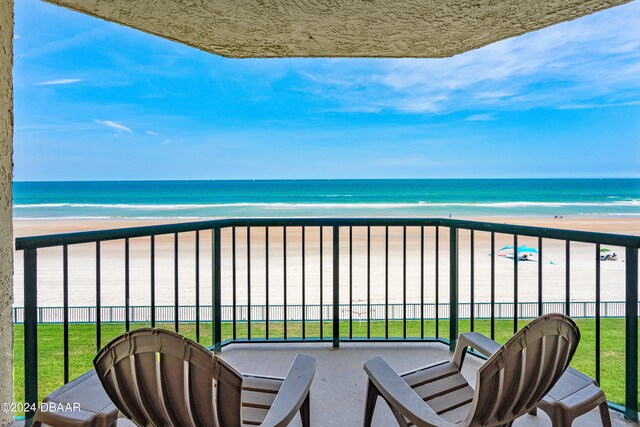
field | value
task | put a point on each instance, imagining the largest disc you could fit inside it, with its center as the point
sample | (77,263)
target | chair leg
(399,418)
(561,419)
(604,414)
(370,404)
(305,413)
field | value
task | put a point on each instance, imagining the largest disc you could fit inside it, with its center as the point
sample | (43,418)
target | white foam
(281,205)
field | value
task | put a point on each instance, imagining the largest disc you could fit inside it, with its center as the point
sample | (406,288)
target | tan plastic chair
(509,384)
(159,378)
(573,395)
(84,403)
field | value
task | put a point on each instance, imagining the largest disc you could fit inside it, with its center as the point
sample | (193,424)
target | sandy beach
(82,269)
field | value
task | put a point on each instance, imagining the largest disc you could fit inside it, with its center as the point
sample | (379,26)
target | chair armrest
(584,377)
(293,392)
(481,343)
(265,377)
(400,395)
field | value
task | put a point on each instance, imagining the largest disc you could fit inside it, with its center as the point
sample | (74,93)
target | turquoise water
(323,198)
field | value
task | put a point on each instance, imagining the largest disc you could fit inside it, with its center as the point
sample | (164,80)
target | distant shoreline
(615,224)
(170,219)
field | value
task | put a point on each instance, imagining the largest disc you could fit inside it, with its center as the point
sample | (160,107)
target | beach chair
(159,378)
(509,384)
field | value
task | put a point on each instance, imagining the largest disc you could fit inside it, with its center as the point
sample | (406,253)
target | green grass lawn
(82,345)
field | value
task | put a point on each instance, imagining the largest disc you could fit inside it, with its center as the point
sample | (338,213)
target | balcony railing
(187,313)
(393,305)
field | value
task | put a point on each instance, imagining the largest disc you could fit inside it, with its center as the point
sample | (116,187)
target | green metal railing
(116,314)
(31,245)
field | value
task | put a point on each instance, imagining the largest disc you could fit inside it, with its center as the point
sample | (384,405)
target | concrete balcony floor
(338,390)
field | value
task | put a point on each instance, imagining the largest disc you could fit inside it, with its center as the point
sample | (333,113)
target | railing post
(631,344)
(30,332)
(336,286)
(453,288)
(216,305)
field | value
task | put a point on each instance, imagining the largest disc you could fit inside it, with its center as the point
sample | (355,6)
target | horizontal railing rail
(36,242)
(187,313)
(273,297)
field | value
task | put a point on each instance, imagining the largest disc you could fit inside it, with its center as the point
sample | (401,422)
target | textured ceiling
(337,28)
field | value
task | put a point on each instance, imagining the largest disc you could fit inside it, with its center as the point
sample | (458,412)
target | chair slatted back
(157,378)
(512,381)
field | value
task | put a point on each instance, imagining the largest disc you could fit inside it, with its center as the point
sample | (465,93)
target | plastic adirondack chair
(159,378)
(509,384)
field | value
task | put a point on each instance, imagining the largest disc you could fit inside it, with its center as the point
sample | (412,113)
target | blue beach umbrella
(521,249)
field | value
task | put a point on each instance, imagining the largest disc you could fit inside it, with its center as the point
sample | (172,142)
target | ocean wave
(369,205)
(610,213)
(135,205)
(311,215)
(60,217)
(541,204)
(121,217)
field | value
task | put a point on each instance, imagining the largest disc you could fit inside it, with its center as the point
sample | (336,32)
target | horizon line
(324,179)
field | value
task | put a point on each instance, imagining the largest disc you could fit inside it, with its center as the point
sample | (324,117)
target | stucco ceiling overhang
(337,28)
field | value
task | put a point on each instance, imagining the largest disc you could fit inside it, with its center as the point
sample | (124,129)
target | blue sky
(98,101)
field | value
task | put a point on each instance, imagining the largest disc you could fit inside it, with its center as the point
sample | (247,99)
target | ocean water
(327,198)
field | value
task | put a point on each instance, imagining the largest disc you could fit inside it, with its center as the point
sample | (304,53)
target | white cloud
(166,141)
(114,125)
(84,38)
(59,82)
(587,106)
(485,117)
(592,60)
(150,132)
(16,36)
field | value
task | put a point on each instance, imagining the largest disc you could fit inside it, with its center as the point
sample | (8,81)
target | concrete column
(6,224)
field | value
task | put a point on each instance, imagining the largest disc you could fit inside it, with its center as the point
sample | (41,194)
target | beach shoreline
(24,227)
(82,267)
